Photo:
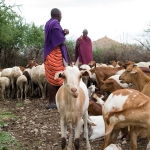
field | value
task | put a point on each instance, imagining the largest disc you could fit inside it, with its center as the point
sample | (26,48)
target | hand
(66,31)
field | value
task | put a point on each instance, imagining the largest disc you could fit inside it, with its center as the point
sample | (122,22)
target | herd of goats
(118,92)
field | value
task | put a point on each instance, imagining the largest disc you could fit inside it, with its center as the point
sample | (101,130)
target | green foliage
(16,37)
(70,44)
(7,142)
(96,54)
(19,104)
(34,36)
(6,115)
(11,26)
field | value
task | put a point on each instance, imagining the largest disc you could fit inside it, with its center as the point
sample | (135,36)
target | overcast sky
(121,20)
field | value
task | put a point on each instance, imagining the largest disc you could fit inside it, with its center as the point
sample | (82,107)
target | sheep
(27,73)
(72,102)
(6,72)
(22,86)
(15,73)
(34,79)
(5,87)
(38,77)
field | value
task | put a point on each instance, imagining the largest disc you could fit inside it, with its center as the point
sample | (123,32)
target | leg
(148,146)
(86,131)
(133,139)
(114,136)
(25,91)
(52,92)
(21,89)
(70,137)
(107,137)
(77,134)
(18,92)
(63,127)
(106,141)
(3,93)
(148,137)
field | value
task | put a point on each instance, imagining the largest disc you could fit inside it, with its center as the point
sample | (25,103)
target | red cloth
(83,50)
(53,63)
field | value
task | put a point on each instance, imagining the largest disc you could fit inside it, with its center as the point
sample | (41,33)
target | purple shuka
(84,50)
(54,36)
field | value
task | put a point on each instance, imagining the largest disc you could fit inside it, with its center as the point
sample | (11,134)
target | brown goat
(137,77)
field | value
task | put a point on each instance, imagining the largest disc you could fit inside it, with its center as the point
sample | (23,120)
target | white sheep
(6,72)
(34,80)
(5,87)
(42,81)
(22,86)
(72,102)
(38,78)
(15,73)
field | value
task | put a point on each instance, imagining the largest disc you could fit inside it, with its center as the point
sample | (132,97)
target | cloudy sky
(121,20)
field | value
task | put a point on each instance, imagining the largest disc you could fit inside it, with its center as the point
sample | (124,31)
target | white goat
(5,87)
(22,86)
(91,89)
(72,102)
(143,64)
(98,130)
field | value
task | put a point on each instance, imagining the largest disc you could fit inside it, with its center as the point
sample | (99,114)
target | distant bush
(123,53)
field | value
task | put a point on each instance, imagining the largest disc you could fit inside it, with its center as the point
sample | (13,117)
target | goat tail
(109,129)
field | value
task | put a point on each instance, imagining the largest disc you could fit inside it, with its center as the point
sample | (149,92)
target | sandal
(53,106)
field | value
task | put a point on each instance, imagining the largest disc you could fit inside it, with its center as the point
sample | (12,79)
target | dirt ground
(38,128)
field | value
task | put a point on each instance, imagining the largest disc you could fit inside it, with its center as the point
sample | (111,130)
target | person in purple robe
(83,48)
(54,52)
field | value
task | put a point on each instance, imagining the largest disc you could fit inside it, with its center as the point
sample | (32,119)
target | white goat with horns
(72,102)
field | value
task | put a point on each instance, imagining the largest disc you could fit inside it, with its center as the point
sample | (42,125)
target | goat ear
(133,71)
(84,71)
(102,81)
(77,62)
(58,75)
(65,64)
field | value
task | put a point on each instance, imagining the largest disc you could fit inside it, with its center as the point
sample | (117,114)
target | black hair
(55,12)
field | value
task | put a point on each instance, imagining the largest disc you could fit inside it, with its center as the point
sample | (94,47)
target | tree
(11,29)
(34,40)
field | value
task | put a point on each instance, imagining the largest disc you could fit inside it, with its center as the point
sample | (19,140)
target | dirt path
(38,128)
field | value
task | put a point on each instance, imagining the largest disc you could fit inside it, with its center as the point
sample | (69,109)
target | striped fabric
(53,63)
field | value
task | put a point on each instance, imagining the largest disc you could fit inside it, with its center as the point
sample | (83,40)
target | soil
(39,129)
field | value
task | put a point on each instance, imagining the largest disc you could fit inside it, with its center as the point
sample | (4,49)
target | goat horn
(65,64)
